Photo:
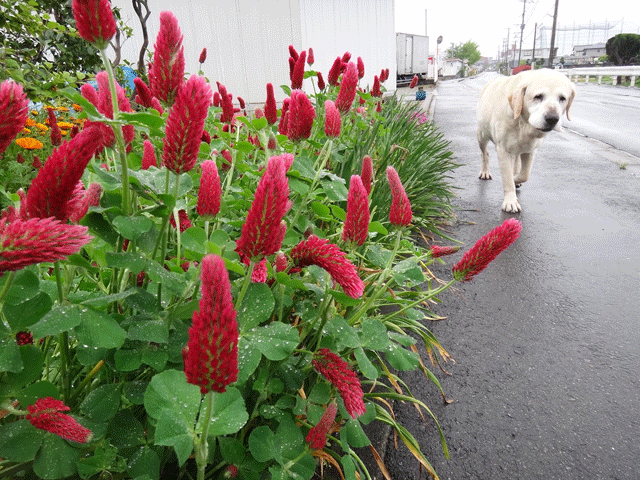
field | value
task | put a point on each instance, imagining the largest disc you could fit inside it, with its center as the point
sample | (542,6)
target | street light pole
(524,9)
(553,35)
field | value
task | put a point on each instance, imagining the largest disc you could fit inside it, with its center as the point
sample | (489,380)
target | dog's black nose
(551,120)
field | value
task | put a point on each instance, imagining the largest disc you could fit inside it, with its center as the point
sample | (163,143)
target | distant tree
(469,51)
(624,48)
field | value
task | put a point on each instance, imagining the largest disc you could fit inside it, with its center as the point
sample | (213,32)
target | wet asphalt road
(546,383)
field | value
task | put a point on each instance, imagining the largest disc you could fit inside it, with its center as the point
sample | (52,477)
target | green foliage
(624,48)
(468,50)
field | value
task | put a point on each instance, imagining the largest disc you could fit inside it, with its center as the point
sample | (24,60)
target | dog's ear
(571,97)
(516,100)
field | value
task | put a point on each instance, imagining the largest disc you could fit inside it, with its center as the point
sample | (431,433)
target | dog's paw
(511,205)
(484,175)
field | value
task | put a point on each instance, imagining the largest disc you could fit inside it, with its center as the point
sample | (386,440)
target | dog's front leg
(525,170)
(507,162)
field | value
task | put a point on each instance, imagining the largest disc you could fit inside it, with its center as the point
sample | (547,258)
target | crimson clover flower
(317,436)
(166,73)
(338,372)
(27,242)
(211,356)
(148,155)
(360,65)
(301,116)
(297,76)
(366,173)
(83,199)
(94,21)
(487,249)
(203,55)
(332,119)
(334,72)
(400,212)
(375,91)
(226,103)
(210,190)
(347,88)
(183,218)
(46,414)
(24,338)
(53,187)
(185,124)
(144,96)
(311,58)
(14,111)
(270,109)
(316,251)
(356,224)
(56,135)
(263,231)
(438,251)
(321,84)
(284,117)
(293,53)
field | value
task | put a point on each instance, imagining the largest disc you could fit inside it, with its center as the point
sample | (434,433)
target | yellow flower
(77,107)
(29,123)
(65,125)
(26,130)
(41,127)
(29,143)
(34,112)
(62,109)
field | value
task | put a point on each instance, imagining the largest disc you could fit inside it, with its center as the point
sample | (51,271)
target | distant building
(583,54)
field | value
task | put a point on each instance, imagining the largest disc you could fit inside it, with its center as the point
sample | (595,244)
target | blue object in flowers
(421,95)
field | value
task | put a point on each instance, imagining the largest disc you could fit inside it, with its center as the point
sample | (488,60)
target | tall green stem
(201,443)
(245,285)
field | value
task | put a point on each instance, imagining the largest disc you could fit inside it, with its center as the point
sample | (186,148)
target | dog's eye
(539,97)
(562,98)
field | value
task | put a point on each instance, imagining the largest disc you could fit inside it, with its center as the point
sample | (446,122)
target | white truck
(412,58)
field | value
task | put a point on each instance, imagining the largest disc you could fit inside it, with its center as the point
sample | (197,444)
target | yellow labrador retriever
(516,113)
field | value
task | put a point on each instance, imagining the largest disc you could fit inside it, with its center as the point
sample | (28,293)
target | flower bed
(191,287)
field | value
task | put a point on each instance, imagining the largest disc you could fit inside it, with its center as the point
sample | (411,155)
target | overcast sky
(486,23)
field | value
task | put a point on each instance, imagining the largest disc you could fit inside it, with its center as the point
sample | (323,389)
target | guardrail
(599,72)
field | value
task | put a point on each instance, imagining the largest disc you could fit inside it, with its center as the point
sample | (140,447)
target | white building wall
(247,40)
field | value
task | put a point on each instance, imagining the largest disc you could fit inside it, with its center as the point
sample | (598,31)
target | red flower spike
(347,88)
(379,107)
(14,110)
(24,338)
(332,119)
(414,81)
(321,84)
(210,191)
(56,135)
(216,99)
(166,73)
(346,56)
(310,57)
(281,263)
(360,65)
(298,71)
(292,67)
(316,251)
(270,109)
(259,273)
(356,224)
(211,356)
(27,242)
(94,21)
(185,124)
(375,91)
(203,56)
(367,173)
(317,436)
(46,414)
(183,218)
(54,184)
(301,116)
(292,53)
(19,158)
(241,102)
(400,212)
(262,233)
(36,163)
(338,372)
(334,72)
(149,155)
(383,76)
(143,94)
(227,105)
(487,249)
(438,251)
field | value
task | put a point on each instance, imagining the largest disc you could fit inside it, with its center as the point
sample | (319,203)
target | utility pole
(524,8)
(508,46)
(553,35)
(533,55)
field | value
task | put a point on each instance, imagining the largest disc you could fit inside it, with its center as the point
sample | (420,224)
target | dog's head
(541,97)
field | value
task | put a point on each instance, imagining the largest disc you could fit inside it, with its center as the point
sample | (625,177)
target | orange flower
(26,131)
(62,109)
(77,107)
(29,122)
(41,127)
(65,125)
(34,112)
(29,143)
